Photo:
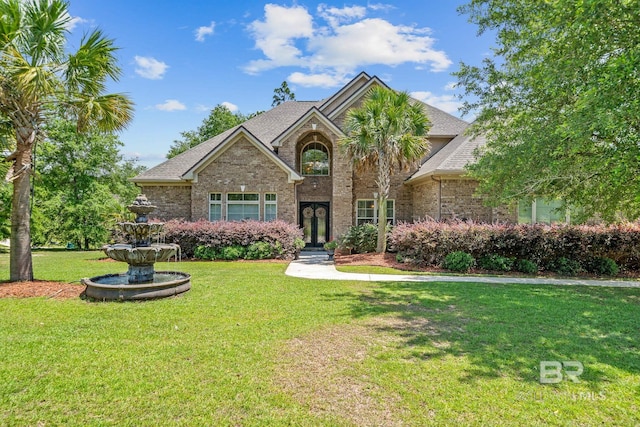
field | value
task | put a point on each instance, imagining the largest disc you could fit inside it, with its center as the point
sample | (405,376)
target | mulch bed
(381,260)
(41,288)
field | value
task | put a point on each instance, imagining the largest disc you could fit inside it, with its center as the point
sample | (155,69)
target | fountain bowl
(116,287)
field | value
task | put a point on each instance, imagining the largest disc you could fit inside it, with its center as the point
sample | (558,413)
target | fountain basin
(145,255)
(116,287)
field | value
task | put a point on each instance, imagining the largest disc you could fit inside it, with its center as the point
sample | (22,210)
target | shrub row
(462,262)
(429,242)
(234,239)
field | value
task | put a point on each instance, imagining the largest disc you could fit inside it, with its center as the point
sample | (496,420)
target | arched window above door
(314,159)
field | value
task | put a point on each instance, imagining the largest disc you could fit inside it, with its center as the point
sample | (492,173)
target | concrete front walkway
(317,266)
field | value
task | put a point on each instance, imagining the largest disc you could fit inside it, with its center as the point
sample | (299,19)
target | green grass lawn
(251,346)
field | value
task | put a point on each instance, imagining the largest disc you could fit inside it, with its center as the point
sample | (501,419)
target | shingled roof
(444,124)
(268,126)
(451,159)
(265,127)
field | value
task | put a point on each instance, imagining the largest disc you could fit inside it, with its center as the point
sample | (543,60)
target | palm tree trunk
(20,264)
(384,182)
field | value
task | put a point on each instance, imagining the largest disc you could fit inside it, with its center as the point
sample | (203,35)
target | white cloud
(324,80)
(335,16)
(74,22)
(150,68)
(171,105)
(288,36)
(381,6)
(276,35)
(376,41)
(201,108)
(451,86)
(232,107)
(448,103)
(203,32)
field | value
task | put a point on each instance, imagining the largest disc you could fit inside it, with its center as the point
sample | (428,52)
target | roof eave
(438,172)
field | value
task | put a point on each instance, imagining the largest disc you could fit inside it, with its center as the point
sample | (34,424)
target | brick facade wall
(425,200)
(243,164)
(457,201)
(172,201)
(335,188)
(364,185)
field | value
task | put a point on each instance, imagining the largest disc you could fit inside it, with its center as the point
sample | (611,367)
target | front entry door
(314,220)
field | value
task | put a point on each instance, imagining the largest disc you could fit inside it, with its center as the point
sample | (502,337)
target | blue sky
(180,59)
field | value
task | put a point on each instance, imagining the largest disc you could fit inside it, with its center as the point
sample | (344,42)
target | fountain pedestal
(141,280)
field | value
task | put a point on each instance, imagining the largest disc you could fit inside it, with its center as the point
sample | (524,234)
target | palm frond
(45,28)
(94,62)
(106,112)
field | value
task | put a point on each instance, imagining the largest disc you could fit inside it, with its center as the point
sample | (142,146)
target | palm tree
(38,80)
(385,134)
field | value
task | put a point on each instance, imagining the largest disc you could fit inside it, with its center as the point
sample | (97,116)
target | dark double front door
(314,220)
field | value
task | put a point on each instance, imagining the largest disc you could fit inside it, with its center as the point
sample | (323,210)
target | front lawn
(251,346)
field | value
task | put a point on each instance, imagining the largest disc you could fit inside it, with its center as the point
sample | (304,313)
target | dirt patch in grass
(320,371)
(323,370)
(40,288)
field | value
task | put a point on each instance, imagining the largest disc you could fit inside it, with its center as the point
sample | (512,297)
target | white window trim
(328,158)
(215,202)
(391,219)
(242,202)
(534,220)
(270,203)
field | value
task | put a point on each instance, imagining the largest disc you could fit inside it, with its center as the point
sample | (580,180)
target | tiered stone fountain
(141,281)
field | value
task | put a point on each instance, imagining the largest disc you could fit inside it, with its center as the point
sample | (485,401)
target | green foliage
(526,266)
(361,239)
(428,242)
(566,266)
(331,245)
(40,80)
(459,261)
(80,187)
(207,253)
(495,262)
(387,133)
(282,94)
(299,244)
(5,204)
(282,237)
(602,266)
(219,120)
(559,103)
(259,250)
(232,253)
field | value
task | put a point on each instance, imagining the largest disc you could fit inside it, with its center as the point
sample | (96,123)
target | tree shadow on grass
(509,329)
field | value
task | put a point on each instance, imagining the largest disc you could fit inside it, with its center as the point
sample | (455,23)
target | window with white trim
(241,206)
(542,211)
(270,206)
(367,211)
(314,159)
(215,207)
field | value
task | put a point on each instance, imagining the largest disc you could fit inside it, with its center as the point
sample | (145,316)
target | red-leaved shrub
(220,234)
(429,242)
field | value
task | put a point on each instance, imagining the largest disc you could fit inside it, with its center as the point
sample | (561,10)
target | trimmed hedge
(223,239)
(429,242)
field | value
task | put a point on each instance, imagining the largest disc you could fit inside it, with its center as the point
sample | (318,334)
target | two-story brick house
(285,164)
